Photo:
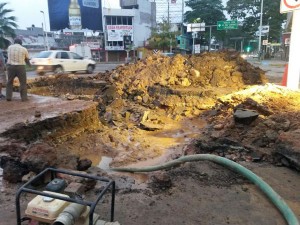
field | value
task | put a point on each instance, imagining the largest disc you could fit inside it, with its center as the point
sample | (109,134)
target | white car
(59,61)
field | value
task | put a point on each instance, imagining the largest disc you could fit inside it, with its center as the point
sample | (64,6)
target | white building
(135,19)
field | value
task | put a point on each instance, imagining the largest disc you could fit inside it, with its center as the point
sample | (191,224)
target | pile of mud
(203,71)
(181,85)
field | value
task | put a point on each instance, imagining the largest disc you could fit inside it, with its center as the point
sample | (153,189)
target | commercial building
(127,28)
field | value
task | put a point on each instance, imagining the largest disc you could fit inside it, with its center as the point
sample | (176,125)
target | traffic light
(127,42)
(248,49)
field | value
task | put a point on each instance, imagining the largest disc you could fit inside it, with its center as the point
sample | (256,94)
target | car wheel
(90,69)
(59,70)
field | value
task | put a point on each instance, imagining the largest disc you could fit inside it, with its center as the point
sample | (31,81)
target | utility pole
(260,28)
(182,20)
(169,26)
(168,12)
(210,27)
(194,36)
(47,44)
(209,45)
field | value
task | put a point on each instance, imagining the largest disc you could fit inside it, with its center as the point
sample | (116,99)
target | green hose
(287,213)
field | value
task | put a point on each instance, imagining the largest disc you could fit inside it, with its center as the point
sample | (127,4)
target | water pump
(61,204)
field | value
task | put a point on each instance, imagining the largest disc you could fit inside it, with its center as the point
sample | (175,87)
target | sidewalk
(38,116)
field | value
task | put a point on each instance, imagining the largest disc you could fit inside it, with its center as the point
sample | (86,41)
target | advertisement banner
(92,45)
(75,14)
(116,32)
(114,48)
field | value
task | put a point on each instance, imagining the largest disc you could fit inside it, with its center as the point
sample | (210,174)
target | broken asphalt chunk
(245,116)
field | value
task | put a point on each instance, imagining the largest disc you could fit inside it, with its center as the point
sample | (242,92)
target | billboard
(116,32)
(75,14)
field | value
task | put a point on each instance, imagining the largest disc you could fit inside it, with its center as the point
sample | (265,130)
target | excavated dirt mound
(197,75)
(222,69)
(180,85)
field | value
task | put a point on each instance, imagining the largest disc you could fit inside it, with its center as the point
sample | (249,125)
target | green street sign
(227,25)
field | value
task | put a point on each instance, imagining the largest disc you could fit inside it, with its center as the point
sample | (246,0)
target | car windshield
(44,54)
(75,56)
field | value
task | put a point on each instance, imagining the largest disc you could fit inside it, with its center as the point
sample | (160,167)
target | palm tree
(7,25)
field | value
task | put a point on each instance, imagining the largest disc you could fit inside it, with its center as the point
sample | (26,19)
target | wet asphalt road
(101,67)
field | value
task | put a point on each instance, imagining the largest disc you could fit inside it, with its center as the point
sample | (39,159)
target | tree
(248,12)
(162,37)
(209,12)
(7,25)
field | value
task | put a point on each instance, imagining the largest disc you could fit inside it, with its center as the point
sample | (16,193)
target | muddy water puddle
(168,141)
(181,132)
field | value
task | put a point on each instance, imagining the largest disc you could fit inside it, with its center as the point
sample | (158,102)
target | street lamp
(47,44)
(260,28)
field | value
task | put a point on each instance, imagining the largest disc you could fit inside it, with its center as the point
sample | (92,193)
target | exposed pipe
(276,199)
(70,214)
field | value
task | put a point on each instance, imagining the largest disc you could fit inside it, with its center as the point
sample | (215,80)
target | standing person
(2,74)
(18,57)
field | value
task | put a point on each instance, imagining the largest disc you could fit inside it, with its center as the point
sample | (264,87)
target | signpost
(227,25)
(195,35)
(197,49)
(294,66)
(264,29)
(195,27)
(265,42)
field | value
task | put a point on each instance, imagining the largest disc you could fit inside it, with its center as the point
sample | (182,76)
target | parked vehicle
(83,50)
(59,61)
